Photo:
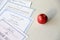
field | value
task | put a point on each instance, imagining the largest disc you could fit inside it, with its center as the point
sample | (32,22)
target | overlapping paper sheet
(8,32)
(15,19)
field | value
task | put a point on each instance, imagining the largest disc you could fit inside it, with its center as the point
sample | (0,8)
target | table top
(50,30)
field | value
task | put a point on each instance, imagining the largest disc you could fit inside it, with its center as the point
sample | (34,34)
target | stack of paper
(15,19)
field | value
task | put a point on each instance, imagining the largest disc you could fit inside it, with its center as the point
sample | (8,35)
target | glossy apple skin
(42,19)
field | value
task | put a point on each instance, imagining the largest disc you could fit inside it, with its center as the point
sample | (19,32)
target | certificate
(20,10)
(8,32)
(18,21)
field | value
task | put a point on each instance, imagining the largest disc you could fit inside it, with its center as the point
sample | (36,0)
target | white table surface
(50,30)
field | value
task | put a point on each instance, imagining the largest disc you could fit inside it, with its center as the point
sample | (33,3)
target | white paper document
(27,12)
(20,10)
(2,3)
(15,19)
(18,21)
(22,2)
(8,32)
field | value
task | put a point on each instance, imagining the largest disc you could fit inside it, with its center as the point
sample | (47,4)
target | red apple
(42,18)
